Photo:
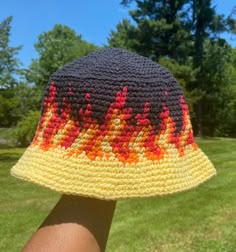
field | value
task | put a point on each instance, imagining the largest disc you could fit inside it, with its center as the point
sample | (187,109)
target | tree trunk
(198,9)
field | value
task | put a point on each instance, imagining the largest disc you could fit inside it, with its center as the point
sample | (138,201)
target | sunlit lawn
(203,219)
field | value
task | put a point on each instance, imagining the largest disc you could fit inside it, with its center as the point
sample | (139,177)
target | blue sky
(93,19)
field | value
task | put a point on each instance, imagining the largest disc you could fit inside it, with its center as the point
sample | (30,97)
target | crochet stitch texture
(114,125)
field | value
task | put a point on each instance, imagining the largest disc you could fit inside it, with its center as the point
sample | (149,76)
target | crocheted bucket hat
(114,125)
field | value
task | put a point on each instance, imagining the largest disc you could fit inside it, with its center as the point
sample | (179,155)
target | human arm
(75,224)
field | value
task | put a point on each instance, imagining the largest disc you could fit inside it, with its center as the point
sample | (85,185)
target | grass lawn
(201,220)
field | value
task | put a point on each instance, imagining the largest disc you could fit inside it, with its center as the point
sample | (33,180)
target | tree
(125,36)
(9,75)
(9,64)
(173,28)
(15,103)
(26,128)
(186,31)
(206,24)
(56,48)
(162,28)
(216,79)
(226,117)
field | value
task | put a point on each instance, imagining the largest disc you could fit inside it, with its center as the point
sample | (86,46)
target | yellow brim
(110,179)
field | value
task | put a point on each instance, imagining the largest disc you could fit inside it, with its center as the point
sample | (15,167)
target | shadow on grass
(9,157)
(208,138)
(8,145)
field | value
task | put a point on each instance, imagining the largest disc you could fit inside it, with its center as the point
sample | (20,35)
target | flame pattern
(59,128)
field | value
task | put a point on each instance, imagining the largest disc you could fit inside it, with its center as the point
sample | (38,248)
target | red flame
(116,135)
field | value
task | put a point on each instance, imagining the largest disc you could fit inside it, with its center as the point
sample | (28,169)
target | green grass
(201,220)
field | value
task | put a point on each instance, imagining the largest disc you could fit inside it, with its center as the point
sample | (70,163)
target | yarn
(114,125)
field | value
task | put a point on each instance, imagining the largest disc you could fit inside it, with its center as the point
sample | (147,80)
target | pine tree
(9,64)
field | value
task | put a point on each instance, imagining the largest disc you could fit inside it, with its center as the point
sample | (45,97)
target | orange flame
(57,128)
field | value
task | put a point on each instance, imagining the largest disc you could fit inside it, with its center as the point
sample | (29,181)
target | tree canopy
(9,64)
(56,47)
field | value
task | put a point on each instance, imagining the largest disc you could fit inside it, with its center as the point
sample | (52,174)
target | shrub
(26,128)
